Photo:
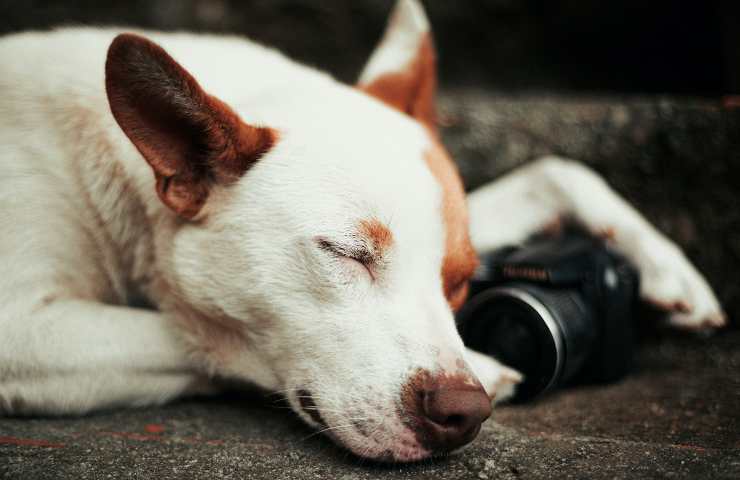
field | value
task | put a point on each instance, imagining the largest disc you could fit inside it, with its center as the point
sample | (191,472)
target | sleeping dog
(284,229)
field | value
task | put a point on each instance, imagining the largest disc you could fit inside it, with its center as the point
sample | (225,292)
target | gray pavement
(677,416)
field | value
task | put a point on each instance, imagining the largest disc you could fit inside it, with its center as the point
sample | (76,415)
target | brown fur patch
(380,236)
(412,89)
(190,139)
(679,306)
(460,260)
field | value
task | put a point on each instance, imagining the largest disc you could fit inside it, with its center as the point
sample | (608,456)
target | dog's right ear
(192,140)
(402,71)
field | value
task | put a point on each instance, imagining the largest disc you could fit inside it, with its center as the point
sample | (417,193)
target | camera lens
(545,334)
(518,343)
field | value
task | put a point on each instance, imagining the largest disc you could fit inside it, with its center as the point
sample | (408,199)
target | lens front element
(512,325)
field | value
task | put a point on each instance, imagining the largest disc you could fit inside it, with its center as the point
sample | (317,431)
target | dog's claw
(498,380)
(687,321)
(505,388)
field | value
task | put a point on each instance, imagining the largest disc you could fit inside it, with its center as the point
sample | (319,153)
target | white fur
(84,235)
(400,43)
(553,189)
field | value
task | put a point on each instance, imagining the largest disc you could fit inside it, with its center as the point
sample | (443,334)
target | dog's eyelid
(326,244)
(355,252)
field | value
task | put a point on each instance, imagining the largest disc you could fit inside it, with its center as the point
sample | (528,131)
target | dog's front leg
(74,356)
(538,196)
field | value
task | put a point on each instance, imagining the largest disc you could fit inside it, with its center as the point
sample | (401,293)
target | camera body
(560,310)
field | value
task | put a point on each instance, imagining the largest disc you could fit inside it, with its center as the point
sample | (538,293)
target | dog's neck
(116,187)
(134,235)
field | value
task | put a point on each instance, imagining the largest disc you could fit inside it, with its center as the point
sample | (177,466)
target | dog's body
(312,245)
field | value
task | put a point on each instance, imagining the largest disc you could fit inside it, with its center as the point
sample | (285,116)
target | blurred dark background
(643,46)
(643,91)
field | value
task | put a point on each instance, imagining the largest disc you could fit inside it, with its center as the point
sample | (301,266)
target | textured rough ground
(678,416)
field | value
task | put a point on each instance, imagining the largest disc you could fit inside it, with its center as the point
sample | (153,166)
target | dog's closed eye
(358,255)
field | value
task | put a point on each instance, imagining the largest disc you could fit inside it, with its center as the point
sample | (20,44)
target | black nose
(449,411)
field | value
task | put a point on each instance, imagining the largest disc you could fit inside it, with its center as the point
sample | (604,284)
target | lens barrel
(547,334)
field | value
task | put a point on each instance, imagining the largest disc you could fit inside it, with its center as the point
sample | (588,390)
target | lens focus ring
(539,332)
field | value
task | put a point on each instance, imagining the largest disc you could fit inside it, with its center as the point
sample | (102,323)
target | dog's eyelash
(355,253)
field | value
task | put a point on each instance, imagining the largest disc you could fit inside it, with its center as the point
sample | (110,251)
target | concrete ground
(677,416)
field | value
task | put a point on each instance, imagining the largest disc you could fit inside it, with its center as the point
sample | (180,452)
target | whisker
(336,427)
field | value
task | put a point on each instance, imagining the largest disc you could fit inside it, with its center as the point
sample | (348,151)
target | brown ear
(402,70)
(191,139)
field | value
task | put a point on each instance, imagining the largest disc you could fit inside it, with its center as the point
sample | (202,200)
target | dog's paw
(498,380)
(671,283)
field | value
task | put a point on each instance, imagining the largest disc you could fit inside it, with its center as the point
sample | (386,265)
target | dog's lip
(403,453)
(309,407)
(399,452)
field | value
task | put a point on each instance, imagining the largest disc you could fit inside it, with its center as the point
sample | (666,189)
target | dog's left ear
(192,140)
(402,70)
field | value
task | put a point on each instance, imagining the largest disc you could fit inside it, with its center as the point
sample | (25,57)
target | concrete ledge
(677,160)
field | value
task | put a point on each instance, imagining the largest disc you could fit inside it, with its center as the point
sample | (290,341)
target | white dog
(303,235)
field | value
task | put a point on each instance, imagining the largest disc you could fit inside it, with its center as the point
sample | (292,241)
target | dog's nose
(448,410)
(453,417)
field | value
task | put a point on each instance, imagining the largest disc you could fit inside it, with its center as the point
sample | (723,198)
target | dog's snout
(445,411)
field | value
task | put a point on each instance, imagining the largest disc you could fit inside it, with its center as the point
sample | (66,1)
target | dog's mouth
(377,436)
(308,405)
(431,413)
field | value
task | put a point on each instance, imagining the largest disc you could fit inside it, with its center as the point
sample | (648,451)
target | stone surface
(678,416)
(676,160)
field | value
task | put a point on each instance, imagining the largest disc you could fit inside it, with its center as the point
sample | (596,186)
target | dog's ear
(402,70)
(192,140)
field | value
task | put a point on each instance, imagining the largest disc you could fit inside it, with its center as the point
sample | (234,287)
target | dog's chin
(379,436)
(401,448)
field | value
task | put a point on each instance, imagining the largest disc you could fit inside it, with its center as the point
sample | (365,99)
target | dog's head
(321,253)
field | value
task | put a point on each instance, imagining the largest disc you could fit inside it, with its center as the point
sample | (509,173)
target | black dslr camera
(559,310)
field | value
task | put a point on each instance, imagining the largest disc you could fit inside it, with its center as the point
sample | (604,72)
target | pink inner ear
(413,89)
(190,139)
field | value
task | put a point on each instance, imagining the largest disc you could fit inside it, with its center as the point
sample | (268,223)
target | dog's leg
(73,356)
(540,195)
